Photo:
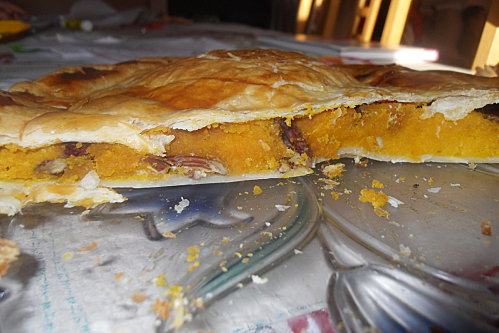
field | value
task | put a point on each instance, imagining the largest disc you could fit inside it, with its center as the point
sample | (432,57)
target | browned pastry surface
(394,76)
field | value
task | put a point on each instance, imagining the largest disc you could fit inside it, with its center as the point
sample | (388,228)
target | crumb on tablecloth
(257,190)
(486,228)
(138,297)
(377,184)
(161,308)
(90,247)
(9,252)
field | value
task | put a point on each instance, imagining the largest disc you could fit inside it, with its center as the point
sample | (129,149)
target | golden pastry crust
(394,76)
(453,94)
(68,85)
(227,86)
(16,110)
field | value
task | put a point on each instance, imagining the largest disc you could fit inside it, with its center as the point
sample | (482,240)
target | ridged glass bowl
(432,264)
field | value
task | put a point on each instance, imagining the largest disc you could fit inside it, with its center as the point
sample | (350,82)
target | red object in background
(6,58)
(314,322)
(154,25)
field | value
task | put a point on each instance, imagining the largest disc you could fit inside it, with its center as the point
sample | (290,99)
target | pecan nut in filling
(196,167)
(292,137)
(75,148)
(197,162)
(157,163)
(51,167)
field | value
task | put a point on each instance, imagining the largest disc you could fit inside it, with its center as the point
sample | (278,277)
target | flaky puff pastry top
(117,103)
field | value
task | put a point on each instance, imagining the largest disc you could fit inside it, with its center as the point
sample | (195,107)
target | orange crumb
(119,276)
(377,184)
(161,308)
(97,260)
(257,190)
(222,265)
(175,291)
(381,212)
(362,163)
(194,250)
(138,297)
(330,183)
(193,266)
(169,235)
(160,280)
(333,170)
(486,228)
(335,195)
(217,252)
(68,255)
(9,251)
(89,247)
(197,302)
(192,253)
(377,199)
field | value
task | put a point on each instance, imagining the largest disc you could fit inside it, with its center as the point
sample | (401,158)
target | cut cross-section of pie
(223,116)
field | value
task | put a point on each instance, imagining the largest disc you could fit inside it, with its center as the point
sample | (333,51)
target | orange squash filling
(240,147)
(396,129)
(254,146)
(390,129)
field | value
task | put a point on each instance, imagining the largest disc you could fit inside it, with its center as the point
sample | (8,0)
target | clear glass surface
(426,266)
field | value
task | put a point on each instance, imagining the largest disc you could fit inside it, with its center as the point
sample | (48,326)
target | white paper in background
(131,48)
(54,50)
(102,15)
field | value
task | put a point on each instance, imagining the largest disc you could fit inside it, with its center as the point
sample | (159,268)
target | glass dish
(242,257)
